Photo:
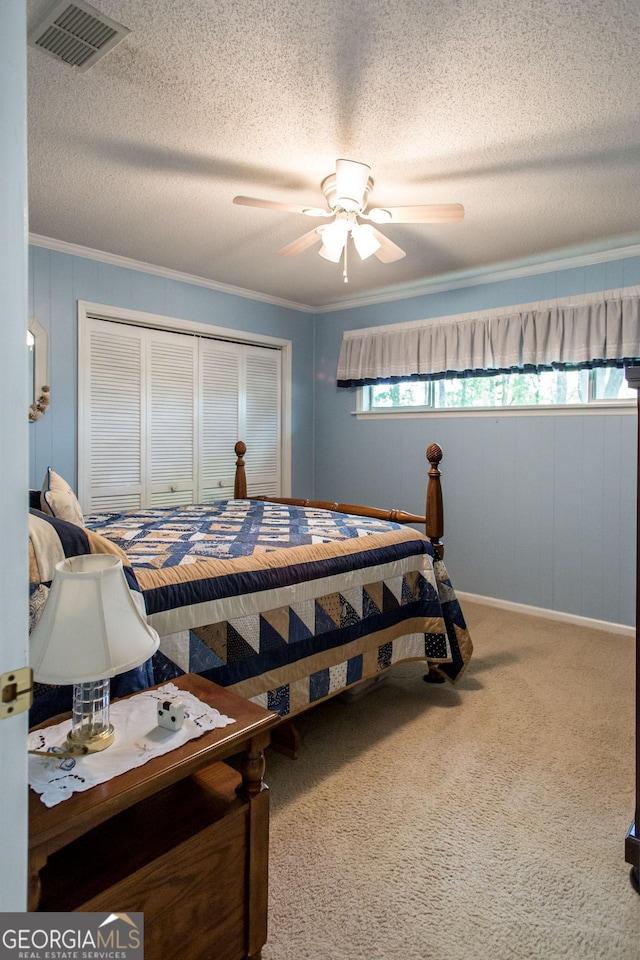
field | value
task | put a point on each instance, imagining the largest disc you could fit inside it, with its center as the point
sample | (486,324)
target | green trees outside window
(549,388)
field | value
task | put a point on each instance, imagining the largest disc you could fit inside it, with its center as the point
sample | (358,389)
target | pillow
(59,500)
(51,540)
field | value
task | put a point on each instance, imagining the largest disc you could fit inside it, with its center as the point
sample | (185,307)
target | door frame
(14,479)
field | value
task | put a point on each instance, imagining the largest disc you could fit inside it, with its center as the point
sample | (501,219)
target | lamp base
(90,728)
(92,744)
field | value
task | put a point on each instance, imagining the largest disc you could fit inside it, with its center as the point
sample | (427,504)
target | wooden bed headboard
(433,521)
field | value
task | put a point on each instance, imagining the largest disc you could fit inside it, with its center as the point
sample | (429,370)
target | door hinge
(16,691)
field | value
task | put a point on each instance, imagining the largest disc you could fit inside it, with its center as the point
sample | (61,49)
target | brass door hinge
(16,691)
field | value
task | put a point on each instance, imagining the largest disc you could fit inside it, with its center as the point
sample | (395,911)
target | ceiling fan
(347,193)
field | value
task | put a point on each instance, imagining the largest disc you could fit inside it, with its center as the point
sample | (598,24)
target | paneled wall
(58,280)
(539,510)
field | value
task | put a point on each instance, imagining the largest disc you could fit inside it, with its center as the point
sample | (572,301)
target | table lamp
(90,630)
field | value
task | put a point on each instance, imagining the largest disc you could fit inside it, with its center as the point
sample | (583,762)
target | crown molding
(493,273)
(573,300)
(76,250)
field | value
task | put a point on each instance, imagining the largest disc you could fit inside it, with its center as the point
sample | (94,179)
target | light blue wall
(538,510)
(58,280)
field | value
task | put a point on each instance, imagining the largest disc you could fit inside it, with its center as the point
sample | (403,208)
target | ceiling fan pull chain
(344,269)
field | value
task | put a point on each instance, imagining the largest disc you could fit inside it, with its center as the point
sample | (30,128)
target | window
(549,388)
(565,352)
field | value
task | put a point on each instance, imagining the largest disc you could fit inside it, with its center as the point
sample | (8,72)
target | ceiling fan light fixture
(334,236)
(364,240)
(330,253)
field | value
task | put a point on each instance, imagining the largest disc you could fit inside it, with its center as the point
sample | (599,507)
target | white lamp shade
(330,254)
(90,628)
(334,237)
(364,240)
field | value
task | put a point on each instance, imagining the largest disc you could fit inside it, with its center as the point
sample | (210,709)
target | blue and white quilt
(288,605)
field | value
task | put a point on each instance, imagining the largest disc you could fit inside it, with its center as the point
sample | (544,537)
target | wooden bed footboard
(433,521)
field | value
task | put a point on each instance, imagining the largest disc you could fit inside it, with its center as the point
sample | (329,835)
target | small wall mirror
(38,360)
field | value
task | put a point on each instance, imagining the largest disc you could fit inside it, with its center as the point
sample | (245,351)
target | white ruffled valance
(594,330)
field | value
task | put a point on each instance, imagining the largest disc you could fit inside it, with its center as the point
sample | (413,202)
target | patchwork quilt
(285,604)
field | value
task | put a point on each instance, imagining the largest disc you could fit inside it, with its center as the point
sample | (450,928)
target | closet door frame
(88,310)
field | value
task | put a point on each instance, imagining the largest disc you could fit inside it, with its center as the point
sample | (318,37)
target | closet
(160,412)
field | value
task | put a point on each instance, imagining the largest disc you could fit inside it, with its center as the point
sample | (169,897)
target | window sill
(606,407)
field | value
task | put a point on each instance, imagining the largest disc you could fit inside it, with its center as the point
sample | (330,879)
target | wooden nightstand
(183,839)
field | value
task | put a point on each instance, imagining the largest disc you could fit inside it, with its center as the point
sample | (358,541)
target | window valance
(594,330)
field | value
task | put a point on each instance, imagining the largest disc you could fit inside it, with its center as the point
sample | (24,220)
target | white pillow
(58,499)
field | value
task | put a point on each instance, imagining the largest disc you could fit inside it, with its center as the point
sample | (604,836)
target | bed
(289,602)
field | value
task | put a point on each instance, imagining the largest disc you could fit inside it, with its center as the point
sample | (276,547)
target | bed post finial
(434,526)
(240,481)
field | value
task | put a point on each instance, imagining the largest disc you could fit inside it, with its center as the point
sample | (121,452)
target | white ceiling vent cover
(77,34)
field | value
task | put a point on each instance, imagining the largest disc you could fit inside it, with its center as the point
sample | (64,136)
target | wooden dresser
(183,839)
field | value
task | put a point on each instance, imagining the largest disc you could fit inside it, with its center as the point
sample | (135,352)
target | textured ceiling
(524,111)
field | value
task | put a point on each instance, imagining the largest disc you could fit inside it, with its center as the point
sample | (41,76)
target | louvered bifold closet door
(262,420)
(172,374)
(219,425)
(114,422)
(160,413)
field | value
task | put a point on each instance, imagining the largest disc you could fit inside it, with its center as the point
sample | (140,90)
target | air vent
(77,34)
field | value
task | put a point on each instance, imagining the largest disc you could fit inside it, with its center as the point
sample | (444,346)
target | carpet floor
(484,821)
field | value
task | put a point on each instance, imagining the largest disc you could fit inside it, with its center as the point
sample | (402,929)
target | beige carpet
(484,821)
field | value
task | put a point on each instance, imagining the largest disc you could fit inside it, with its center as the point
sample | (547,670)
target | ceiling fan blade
(276,205)
(389,251)
(302,243)
(351,182)
(427,213)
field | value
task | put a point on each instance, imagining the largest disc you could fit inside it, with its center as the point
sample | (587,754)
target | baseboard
(558,615)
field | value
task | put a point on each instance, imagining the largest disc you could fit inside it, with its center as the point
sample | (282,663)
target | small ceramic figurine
(39,406)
